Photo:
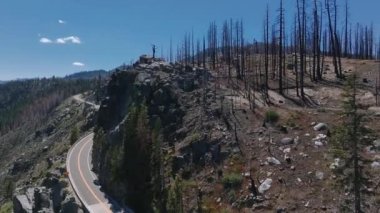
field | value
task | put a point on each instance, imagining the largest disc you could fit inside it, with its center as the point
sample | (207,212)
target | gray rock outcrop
(34,200)
(320,127)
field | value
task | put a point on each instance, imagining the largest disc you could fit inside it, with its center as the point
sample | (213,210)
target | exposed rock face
(170,92)
(36,157)
(287,141)
(69,205)
(265,185)
(121,92)
(34,200)
(22,204)
(320,127)
(158,85)
(56,188)
(51,197)
(19,166)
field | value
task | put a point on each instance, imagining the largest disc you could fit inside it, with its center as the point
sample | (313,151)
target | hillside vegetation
(37,117)
(175,138)
(29,101)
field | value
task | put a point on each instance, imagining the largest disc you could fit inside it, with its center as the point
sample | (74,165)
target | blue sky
(56,37)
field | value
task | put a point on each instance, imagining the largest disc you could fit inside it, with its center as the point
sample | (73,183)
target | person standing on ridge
(154,50)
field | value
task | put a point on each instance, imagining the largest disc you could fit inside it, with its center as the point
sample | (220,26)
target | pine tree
(352,123)
(347,137)
(137,153)
(175,204)
(99,142)
(7,188)
(157,173)
(74,135)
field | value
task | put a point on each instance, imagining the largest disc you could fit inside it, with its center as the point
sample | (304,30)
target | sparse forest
(31,100)
(223,122)
(291,53)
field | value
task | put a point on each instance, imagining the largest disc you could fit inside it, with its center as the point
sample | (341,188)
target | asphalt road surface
(82,178)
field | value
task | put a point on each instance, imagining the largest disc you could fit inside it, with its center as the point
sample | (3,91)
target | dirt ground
(304,180)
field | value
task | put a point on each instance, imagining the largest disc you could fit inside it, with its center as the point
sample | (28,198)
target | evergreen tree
(99,141)
(137,150)
(352,123)
(157,173)
(74,135)
(175,204)
(8,186)
(347,137)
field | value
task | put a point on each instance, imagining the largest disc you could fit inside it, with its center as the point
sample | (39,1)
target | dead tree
(295,55)
(334,40)
(266,41)
(204,52)
(346,31)
(198,53)
(280,54)
(302,34)
(319,40)
(226,46)
(192,48)
(242,51)
(237,50)
(316,44)
(212,44)
(274,52)
(171,51)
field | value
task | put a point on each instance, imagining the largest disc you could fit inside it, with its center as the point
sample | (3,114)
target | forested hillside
(89,75)
(286,121)
(31,100)
(37,118)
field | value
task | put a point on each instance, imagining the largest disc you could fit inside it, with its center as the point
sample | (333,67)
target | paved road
(82,178)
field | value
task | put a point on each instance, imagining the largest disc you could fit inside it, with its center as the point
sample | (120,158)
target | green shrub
(6,207)
(272,116)
(74,135)
(338,141)
(232,180)
(195,137)
(231,196)
(7,188)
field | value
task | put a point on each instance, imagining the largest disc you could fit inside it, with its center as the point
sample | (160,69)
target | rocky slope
(164,89)
(33,167)
(230,156)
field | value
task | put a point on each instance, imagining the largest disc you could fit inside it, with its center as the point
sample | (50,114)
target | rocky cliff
(180,98)
(222,147)
(33,173)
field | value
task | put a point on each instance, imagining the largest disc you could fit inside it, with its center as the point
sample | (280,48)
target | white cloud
(61,21)
(70,39)
(60,41)
(46,40)
(78,64)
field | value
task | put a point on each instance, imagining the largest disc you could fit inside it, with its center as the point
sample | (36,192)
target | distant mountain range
(88,74)
(84,75)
